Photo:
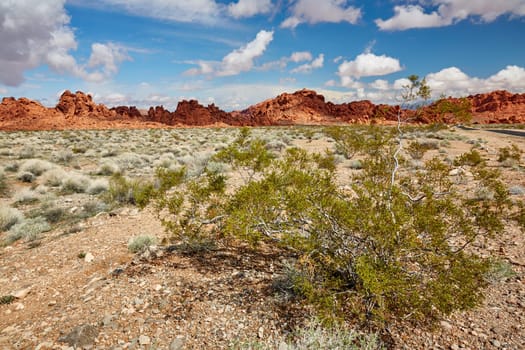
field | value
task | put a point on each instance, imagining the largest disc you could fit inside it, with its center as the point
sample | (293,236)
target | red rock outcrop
(78,111)
(308,107)
(127,112)
(80,104)
(192,113)
(500,107)
(497,107)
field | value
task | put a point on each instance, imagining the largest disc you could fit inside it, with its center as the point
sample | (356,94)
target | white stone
(144,340)
(89,257)
(21,293)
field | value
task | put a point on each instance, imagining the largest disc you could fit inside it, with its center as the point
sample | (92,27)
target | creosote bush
(392,247)
(124,191)
(510,155)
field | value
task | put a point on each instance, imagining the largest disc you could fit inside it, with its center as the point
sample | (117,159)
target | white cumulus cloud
(308,67)
(34,33)
(380,84)
(249,8)
(315,11)
(454,82)
(368,64)
(449,12)
(237,61)
(301,56)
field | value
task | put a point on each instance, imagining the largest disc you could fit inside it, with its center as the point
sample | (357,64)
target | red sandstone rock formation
(126,112)
(308,107)
(80,104)
(76,111)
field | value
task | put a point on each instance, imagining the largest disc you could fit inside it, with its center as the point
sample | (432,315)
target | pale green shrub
(26,196)
(63,156)
(9,217)
(77,183)
(28,229)
(517,190)
(108,168)
(139,243)
(36,166)
(98,186)
(54,177)
(317,337)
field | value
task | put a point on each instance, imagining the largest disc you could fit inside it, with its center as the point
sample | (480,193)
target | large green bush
(395,245)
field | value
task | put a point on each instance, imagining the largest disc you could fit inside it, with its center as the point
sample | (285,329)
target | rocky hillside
(79,111)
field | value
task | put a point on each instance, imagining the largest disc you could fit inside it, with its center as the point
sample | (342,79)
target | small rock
(496,343)
(158,287)
(454,347)
(177,344)
(89,257)
(81,336)
(52,303)
(19,306)
(144,340)
(446,325)
(44,345)
(21,293)
(260,333)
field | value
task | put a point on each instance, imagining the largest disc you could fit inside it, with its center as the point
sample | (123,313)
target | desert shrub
(348,141)
(385,250)
(6,152)
(195,164)
(53,214)
(28,229)
(471,158)
(316,336)
(6,299)
(63,156)
(12,167)
(139,243)
(27,152)
(499,271)
(93,208)
(108,153)
(517,190)
(217,167)
(9,217)
(418,149)
(510,155)
(108,168)
(75,183)
(355,164)
(98,186)
(4,188)
(129,160)
(26,196)
(54,177)
(124,191)
(36,166)
(26,176)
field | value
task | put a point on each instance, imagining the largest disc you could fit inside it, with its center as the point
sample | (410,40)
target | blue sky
(238,52)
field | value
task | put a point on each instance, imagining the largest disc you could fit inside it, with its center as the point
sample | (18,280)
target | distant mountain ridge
(303,107)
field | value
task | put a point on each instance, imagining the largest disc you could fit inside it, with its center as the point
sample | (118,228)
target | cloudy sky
(239,52)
